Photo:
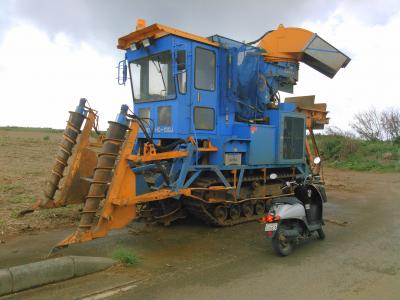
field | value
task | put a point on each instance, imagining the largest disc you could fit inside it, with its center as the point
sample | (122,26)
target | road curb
(18,278)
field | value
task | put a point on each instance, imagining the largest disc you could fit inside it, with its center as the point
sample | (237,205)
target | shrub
(354,154)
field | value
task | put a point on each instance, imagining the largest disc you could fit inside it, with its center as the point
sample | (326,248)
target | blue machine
(208,136)
(223,95)
(217,94)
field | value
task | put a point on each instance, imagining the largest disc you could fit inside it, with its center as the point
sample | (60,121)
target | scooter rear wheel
(321,234)
(281,245)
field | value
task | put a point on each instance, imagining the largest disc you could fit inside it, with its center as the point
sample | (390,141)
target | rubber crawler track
(199,209)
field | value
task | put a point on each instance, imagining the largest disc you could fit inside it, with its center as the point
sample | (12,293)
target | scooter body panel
(292,212)
(289,211)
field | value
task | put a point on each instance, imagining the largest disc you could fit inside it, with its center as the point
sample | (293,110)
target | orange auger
(101,178)
(119,207)
(76,151)
(83,161)
(66,146)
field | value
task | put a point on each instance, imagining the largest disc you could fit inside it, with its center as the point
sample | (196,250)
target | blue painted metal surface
(244,120)
(81,107)
(121,117)
(262,145)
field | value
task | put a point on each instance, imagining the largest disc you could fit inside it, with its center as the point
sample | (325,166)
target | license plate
(271,227)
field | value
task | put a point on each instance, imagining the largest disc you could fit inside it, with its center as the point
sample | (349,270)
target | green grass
(15,213)
(125,256)
(22,199)
(7,187)
(354,154)
(12,187)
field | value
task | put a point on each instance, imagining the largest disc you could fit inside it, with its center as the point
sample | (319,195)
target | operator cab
(174,84)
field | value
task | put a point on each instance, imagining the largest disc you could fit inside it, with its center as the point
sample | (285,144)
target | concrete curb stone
(6,282)
(85,265)
(35,274)
(42,272)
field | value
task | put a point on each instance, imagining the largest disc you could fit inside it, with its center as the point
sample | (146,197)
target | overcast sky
(54,52)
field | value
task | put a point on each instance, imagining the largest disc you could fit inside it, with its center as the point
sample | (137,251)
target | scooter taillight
(270,218)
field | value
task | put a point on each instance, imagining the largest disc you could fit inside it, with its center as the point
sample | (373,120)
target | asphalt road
(358,260)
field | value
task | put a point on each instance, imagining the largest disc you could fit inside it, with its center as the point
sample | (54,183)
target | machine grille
(293,138)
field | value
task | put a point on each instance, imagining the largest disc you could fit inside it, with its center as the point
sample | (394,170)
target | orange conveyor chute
(300,45)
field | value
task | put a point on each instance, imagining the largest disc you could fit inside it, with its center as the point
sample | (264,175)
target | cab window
(182,75)
(204,118)
(152,78)
(204,74)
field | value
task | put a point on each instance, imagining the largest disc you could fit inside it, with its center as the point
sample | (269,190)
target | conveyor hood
(297,44)
(323,57)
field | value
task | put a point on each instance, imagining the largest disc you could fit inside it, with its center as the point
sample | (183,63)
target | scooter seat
(286,200)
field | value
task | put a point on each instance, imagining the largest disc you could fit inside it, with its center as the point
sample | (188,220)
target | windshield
(152,78)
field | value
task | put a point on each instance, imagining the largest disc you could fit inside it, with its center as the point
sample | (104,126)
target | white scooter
(292,219)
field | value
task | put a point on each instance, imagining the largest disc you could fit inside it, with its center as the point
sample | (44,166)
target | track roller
(259,207)
(234,212)
(247,209)
(220,212)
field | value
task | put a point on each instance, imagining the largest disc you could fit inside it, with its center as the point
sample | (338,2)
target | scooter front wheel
(281,245)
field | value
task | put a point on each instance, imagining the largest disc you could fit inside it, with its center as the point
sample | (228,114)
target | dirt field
(360,258)
(26,158)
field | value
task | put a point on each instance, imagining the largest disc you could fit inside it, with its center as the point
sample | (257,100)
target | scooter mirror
(273,176)
(317,160)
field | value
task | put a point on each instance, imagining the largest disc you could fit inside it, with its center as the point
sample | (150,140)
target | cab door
(204,91)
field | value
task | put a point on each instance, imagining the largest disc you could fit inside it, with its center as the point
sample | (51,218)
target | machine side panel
(262,145)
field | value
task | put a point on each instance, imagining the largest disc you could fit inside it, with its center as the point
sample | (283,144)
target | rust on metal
(98,188)
(316,113)
(74,188)
(316,118)
(68,141)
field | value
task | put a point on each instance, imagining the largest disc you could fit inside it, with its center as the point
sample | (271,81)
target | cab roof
(156,31)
